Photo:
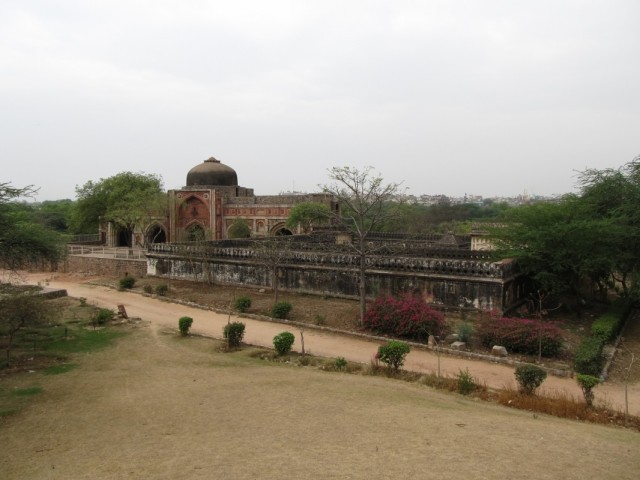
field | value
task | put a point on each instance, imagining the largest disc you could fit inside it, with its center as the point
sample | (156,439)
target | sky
(491,98)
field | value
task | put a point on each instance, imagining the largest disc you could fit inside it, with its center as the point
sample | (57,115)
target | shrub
(283,342)
(407,316)
(281,310)
(340,363)
(520,335)
(242,304)
(587,384)
(466,383)
(319,319)
(393,353)
(83,301)
(127,282)
(103,316)
(233,332)
(587,359)
(184,324)
(465,332)
(147,289)
(162,289)
(530,377)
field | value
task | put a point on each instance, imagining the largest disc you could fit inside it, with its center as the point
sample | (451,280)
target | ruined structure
(442,269)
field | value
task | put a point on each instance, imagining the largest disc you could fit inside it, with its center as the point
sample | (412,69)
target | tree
(239,228)
(19,311)
(273,252)
(363,196)
(126,199)
(22,239)
(308,214)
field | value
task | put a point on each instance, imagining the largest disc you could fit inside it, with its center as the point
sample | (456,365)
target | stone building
(207,206)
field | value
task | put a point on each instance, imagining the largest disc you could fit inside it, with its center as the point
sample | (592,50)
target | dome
(212,173)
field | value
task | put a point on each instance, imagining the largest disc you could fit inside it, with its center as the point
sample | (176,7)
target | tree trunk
(362,287)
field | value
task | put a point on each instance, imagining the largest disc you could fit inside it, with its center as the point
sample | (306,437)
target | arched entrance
(195,233)
(156,234)
(123,237)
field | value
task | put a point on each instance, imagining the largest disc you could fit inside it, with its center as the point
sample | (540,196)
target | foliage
(520,335)
(607,326)
(393,353)
(147,288)
(184,324)
(529,377)
(587,384)
(587,359)
(102,316)
(465,332)
(281,310)
(466,382)
(21,311)
(363,197)
(239,228)
(242,303)
(319,319)
(407,316)
(127,282)
(283,342)
(23,240)
(126,199)
(234,332)
(162,289)
(340,363)
(308,214)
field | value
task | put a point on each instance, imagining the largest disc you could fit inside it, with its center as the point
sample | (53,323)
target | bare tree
(364,200)
(273,252)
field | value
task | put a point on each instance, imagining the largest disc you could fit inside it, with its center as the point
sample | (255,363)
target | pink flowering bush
(407,316)
(520,335)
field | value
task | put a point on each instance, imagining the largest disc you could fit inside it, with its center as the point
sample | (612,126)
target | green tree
(126,199)
(21,311)
(307,215)
(23,240)
(363,196)
(239,228)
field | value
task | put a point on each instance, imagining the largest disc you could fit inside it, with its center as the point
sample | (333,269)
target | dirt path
(165,315)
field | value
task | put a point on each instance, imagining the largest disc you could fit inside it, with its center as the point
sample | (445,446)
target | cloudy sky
(447,96)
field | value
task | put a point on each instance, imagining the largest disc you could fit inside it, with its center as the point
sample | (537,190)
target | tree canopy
(22,239)
(126,199)
(308,214)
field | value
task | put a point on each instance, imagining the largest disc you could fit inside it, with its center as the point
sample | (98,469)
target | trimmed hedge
(520,335)
(608,325)
(588,356)
(407,316)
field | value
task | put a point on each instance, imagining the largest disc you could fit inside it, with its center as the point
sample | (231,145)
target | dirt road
(165,315)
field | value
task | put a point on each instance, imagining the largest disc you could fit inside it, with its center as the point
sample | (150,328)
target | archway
(123,237)
(156,234)
(195,233)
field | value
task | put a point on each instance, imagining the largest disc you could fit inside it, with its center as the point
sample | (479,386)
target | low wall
(104,266)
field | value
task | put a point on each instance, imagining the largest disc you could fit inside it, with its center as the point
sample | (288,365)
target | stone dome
(212,173)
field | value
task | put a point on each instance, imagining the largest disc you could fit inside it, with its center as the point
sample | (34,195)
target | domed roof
(212,173)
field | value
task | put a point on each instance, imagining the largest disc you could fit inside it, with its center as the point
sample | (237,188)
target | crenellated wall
(452,277)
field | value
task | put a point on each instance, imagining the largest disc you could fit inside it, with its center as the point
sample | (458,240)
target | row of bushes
(588,358)
(521,335)
(407,316)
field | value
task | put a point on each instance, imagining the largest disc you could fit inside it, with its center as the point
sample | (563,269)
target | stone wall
(104,266)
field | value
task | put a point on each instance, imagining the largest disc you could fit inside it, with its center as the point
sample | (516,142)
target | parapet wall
(104,266)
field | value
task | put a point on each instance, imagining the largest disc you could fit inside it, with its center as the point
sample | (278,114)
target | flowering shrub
(520,335)
(407,316)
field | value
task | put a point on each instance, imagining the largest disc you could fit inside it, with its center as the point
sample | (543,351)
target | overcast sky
(480,97)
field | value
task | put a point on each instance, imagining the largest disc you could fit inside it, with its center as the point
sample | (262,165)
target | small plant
(103,316)
(465,332)
(83,301)
(147,289)
(283,342)
(234,332)
(162,289)
(340,363)
(126,282)
(393,353)
(184,324)
(242,304)
(529,377)
(320,319)
(587,384)
(281,310)
(466,382)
